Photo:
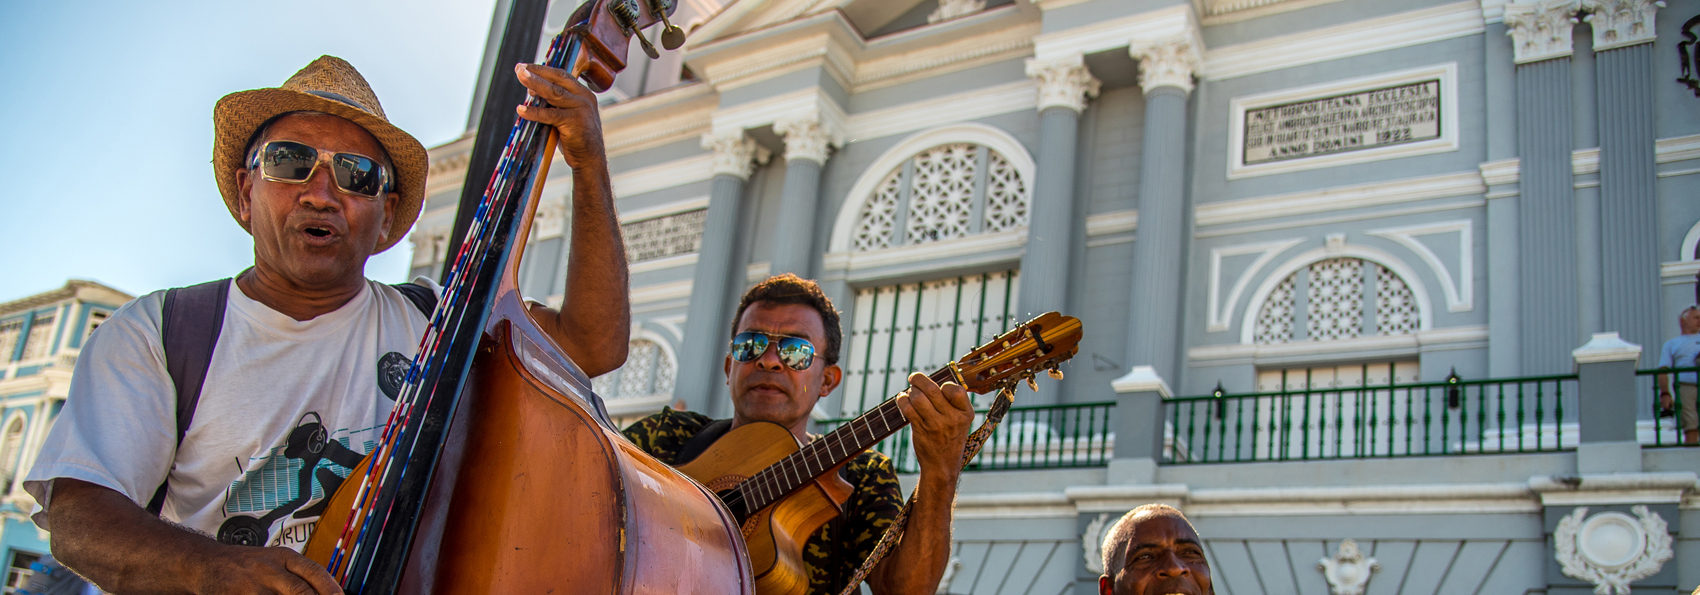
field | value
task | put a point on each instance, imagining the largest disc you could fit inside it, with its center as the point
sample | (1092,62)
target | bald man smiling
(1153,550)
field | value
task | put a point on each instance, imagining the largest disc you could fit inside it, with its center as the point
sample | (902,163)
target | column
(1605,370)
(1165,73)
(1064,86)
(807,143)
(1505,356)
(708,318)
(1138,421)
(1628,224)
(1541,44)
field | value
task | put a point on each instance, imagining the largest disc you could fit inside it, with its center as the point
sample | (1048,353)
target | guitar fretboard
(816,458)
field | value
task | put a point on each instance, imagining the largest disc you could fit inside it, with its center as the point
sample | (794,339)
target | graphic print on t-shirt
(309,467)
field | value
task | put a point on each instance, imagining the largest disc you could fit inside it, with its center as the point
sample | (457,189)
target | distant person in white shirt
(1681,352)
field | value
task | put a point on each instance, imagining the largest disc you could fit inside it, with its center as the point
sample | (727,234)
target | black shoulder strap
(700,442)
(189,325)
(420,295)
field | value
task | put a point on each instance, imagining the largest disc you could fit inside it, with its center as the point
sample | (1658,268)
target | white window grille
(40,340)
(945,192)
(1395,307)
(1275,320)
(11,450)
(913,327)
(648,371)
(1336,303)
(1340,298)
(96,317)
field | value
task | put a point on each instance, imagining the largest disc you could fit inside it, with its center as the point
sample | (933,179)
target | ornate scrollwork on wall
(1612,549)
(1092,540)
(1064,82)
(1348,570)
(1541,30)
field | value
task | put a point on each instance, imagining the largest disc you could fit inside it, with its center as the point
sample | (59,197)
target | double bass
(499,471)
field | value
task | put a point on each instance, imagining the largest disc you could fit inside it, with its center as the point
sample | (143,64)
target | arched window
(945,192)
(1338,298)
(10,446)
(649,371)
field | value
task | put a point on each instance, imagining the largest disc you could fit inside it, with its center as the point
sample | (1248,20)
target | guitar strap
(699,443)
(190,321)
(977,439)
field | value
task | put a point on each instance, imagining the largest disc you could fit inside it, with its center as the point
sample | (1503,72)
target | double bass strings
(470,259)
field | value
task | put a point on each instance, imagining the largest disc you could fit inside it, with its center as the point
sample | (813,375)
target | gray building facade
(1372,277)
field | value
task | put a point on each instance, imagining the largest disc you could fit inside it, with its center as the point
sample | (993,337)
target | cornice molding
(889,69)
(1137,30)
(1427,25)
(1339,198)
(1621,23)
(1168,63)
(1541,30)
(1063,82)
(955,9)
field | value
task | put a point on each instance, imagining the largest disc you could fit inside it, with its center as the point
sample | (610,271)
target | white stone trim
(802,104)
(672,208)
(947,109)
(1622,23)
(979,134)
(1063,82)
(1606,347)
(1142,379)
(1213,16)
(1220,313)
(1330,200)
(662,263)
(661,291)
(677,172)
(1113,34)
(1419,291)
(1112,222)
(1168,63)
(1689,242)
(1428,25)
(1677,148)
(1541,30)
(1460,294)
(1432,207)
(929,252)
(1022,505)
(732,153)
(1443,339)
(1679,273)
(933,60)
(1582,556)
(1447,73)
(807,138)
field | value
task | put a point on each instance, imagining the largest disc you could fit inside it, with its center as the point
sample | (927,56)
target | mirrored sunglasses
(796,353)
(291,162)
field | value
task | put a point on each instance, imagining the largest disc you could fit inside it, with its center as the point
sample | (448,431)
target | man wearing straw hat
(302,369)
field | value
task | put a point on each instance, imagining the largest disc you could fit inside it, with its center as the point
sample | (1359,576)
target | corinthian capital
(807,138)
(1167,63)
(1063,82)
(734,153)
(1621,23)
(1540,30)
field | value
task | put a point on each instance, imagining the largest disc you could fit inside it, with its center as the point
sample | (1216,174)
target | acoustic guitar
(782,492)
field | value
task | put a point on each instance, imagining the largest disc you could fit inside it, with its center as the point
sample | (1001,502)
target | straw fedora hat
(330,85)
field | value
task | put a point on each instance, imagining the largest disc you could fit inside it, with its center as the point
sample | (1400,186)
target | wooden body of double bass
(535,495)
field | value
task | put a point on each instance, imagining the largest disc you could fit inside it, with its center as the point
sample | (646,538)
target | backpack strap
(190,322)
(420,295)
(700,442)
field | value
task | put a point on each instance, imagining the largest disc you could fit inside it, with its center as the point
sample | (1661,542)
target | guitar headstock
(1038,344)
(606,28)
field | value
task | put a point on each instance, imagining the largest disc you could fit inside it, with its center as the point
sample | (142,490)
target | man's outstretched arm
(595,321)
(108,539)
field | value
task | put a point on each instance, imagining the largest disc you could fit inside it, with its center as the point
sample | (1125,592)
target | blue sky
(106,122)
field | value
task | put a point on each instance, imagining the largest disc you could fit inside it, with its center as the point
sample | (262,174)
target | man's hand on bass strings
(941,416)
(572,111)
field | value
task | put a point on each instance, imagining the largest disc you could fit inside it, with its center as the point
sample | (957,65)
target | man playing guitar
(784,358)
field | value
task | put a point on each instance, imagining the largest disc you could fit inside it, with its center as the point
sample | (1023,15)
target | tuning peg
(672,36)
(647,48)
(1055,374)
(1031,384)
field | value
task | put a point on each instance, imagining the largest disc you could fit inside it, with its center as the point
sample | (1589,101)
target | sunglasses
(796,353)
(291,162)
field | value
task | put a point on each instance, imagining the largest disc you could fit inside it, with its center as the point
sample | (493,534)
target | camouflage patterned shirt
(834,552)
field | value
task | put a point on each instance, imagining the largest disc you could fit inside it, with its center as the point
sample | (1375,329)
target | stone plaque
(1381,117)
(672,235)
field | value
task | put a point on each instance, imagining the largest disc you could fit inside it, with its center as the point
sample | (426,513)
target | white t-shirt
(287,408)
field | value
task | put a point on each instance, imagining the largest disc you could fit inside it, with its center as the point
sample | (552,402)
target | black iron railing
(1039,437)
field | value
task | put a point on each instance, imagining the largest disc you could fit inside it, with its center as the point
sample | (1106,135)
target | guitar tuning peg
(1055,374)
(647,48)
(1031,384)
